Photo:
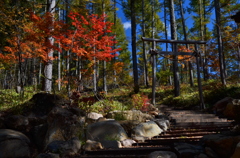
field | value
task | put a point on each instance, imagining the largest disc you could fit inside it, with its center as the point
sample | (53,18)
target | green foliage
(9,99)
(112,138)
(124,99)
(213,91)
(105,106)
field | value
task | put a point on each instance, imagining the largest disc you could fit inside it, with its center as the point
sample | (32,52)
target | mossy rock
(42,103)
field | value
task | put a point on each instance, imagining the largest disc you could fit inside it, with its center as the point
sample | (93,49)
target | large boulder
(129,125)
(147,129)
(232,110)
(162,154)
(185,150)
(42,103)
(17,122)
(65,148)
(38,134)
(129,115)
(163,124)
(236,153)
(47,155)
(106,130)
(220,106)
(14,144)
(64,124)
(223,145)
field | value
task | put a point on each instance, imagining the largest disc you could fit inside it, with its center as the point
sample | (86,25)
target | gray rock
(186,150)
(148,129)
(222,145)
(220,106)
(94,115)
(42,103)
(129,125)
(139,139)
(38,135)
(163,124)
(128,142)
(106,130)
(13,144)
(64,148)
(63,125)
(48,155)
(92,145)
(209,152)
(162,154)
(17,122)
(111,144)
(236,153)
(201,156)
(130,115)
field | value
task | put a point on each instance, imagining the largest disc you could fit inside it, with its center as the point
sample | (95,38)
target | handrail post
(199,78)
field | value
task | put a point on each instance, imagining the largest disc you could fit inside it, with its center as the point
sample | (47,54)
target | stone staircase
(187,126)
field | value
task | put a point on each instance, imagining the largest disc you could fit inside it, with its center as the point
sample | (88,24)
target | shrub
(105,106)
(140,102)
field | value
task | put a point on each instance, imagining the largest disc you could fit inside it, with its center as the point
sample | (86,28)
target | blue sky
(189,22)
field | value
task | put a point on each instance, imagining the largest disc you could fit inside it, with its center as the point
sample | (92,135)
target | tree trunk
(145,70)
(104,62)
(219,39)
(205,59)
(134,51)
(174,48)
(47,87)
(114,46)
(166,36)
(59,58)
(185,38)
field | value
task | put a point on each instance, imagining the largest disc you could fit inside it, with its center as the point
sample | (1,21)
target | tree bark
(145,70)
(134,51)
(185,38)
(219,39)
(47,87)
(104,62)
(174,37)
(166,37)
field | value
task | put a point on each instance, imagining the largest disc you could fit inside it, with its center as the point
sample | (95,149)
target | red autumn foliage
(89,37)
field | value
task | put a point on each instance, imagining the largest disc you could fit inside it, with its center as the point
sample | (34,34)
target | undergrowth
(123,98)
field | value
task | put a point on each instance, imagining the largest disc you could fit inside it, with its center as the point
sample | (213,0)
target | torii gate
(154,52)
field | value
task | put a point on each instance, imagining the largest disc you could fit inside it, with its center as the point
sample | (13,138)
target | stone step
(184,134)
(196,117)
(200,120)
(192,115)
(184,112)
(201,124)
(128,151)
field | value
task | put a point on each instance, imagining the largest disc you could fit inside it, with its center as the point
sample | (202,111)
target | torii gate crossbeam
(154,52)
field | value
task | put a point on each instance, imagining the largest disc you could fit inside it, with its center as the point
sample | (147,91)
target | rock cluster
(48,126)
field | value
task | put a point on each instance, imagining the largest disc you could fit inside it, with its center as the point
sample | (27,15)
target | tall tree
(47,86)
(186,38)
(174,37)
(145,69)
(134,50)
(219,39)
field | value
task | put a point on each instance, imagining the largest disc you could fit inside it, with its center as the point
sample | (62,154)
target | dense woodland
(77,45)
